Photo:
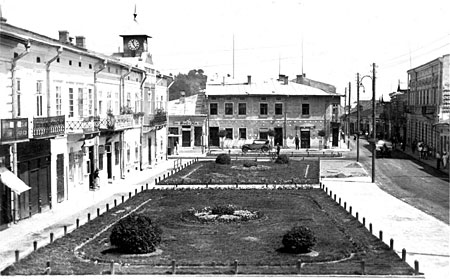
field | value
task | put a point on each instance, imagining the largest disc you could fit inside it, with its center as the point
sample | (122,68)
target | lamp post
(373,118)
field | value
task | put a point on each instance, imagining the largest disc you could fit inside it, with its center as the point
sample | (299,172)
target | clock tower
(135,40)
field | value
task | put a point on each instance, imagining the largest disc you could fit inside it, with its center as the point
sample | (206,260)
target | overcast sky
(329,40)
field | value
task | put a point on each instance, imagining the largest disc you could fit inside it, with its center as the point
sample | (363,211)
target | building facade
(281,108)
(428,99)
(71,117)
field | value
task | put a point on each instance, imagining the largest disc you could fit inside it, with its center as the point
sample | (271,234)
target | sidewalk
(21,236)
(430,162)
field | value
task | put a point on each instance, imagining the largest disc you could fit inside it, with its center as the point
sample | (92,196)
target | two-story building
(248,111)
(428,100)
(70,115)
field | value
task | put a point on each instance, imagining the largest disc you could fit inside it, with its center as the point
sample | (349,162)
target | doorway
(278,138)
(305,139)
(214,136)
(198,136)
(108,160)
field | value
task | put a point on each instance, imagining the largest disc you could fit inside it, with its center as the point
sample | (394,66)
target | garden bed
(213,247)
(208,172)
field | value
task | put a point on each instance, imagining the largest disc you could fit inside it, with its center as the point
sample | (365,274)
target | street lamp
(373,118)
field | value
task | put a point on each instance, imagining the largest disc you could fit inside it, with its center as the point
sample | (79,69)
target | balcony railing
(118,122)
(49,126)
(14,129)
(83,126)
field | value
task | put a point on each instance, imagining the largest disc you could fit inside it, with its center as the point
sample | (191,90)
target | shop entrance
(305,139)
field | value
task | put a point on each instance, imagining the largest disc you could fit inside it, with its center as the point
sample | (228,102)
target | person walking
(425,151)
(297,142)
(278,149)
(420,149)
(438,160)
(444,159)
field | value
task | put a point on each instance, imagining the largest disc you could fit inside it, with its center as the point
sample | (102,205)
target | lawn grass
(213,247)
(208,172)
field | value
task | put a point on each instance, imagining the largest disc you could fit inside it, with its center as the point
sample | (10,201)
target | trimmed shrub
(135,234)
(223,210)
(249,164)
(299,239)
(223,159)
(282,159)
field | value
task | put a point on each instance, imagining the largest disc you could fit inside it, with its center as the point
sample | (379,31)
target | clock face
(133,44)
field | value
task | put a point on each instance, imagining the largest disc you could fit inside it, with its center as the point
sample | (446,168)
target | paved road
(410,180)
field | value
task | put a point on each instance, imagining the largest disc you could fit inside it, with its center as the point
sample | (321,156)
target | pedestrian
(297,142)
(425,151)
(420,149)
(278,149)
(438,160)
(413,146)
(444,159)
(175,146)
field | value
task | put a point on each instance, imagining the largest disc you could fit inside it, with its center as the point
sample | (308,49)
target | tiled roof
(192,105)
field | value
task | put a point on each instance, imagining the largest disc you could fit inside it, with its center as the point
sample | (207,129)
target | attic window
(38,59)
(70,62)
(90,66)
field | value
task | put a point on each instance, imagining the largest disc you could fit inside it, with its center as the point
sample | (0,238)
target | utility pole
(357,117)
(374,152)
(349,110)
(345,112)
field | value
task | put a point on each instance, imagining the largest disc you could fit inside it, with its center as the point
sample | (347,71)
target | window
(213,109)
(242,133)
(305,109)
(100,102)
(58,100)
(228,108)
(57,60)
(80,102)
(335,109)
(90,66)
(173,130)
(38,59)
(71,104)
(136,151)
(79,64)
(242,108)
(90,101)
(278,109)
(18,96)
(263,109)
(128,153)
(137,102)
(229,133)
(70,62)
(129,99)
(39,98)
(116,102)
(108,101)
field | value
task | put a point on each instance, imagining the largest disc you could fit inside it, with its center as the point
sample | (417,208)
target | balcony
(118,122)
(86,125)
(158,119)
(44,127)
(15,129)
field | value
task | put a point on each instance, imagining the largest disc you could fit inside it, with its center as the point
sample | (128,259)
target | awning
(12,181)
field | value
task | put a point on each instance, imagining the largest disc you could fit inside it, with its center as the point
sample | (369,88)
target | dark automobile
(259,144)
(383,148)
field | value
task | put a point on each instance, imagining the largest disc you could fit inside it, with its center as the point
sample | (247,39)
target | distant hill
(192,83)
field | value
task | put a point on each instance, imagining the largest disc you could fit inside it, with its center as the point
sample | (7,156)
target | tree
(192,83)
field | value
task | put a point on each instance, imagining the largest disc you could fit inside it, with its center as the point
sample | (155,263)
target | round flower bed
(221,213)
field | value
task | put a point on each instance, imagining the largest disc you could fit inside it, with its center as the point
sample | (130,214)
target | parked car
(383,148)
(258,144)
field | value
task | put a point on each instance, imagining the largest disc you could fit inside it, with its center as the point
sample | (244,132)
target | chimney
(299,79)
(64,37)
(249,79)
(286,80)
(80,41)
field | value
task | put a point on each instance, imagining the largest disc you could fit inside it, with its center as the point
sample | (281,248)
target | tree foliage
(191,83)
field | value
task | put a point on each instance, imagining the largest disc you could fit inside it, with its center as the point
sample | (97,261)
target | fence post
(416,267)
(115,202)
(391,244)
(146,186)
(89,217)
(135,191)
(51,237)
(17,255)
(107,207)
(339,201)
(34,245)
(363,267)
(357,216)
(350,210)
(98,212)
(65,230)
(404,254)
(129,195)
(142,188)
(123,198)
(111,265)
(364,221)
(174,265)
(48,269)
(78,223)
(299,266)
(370,227)
(381,235)
(236,267)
